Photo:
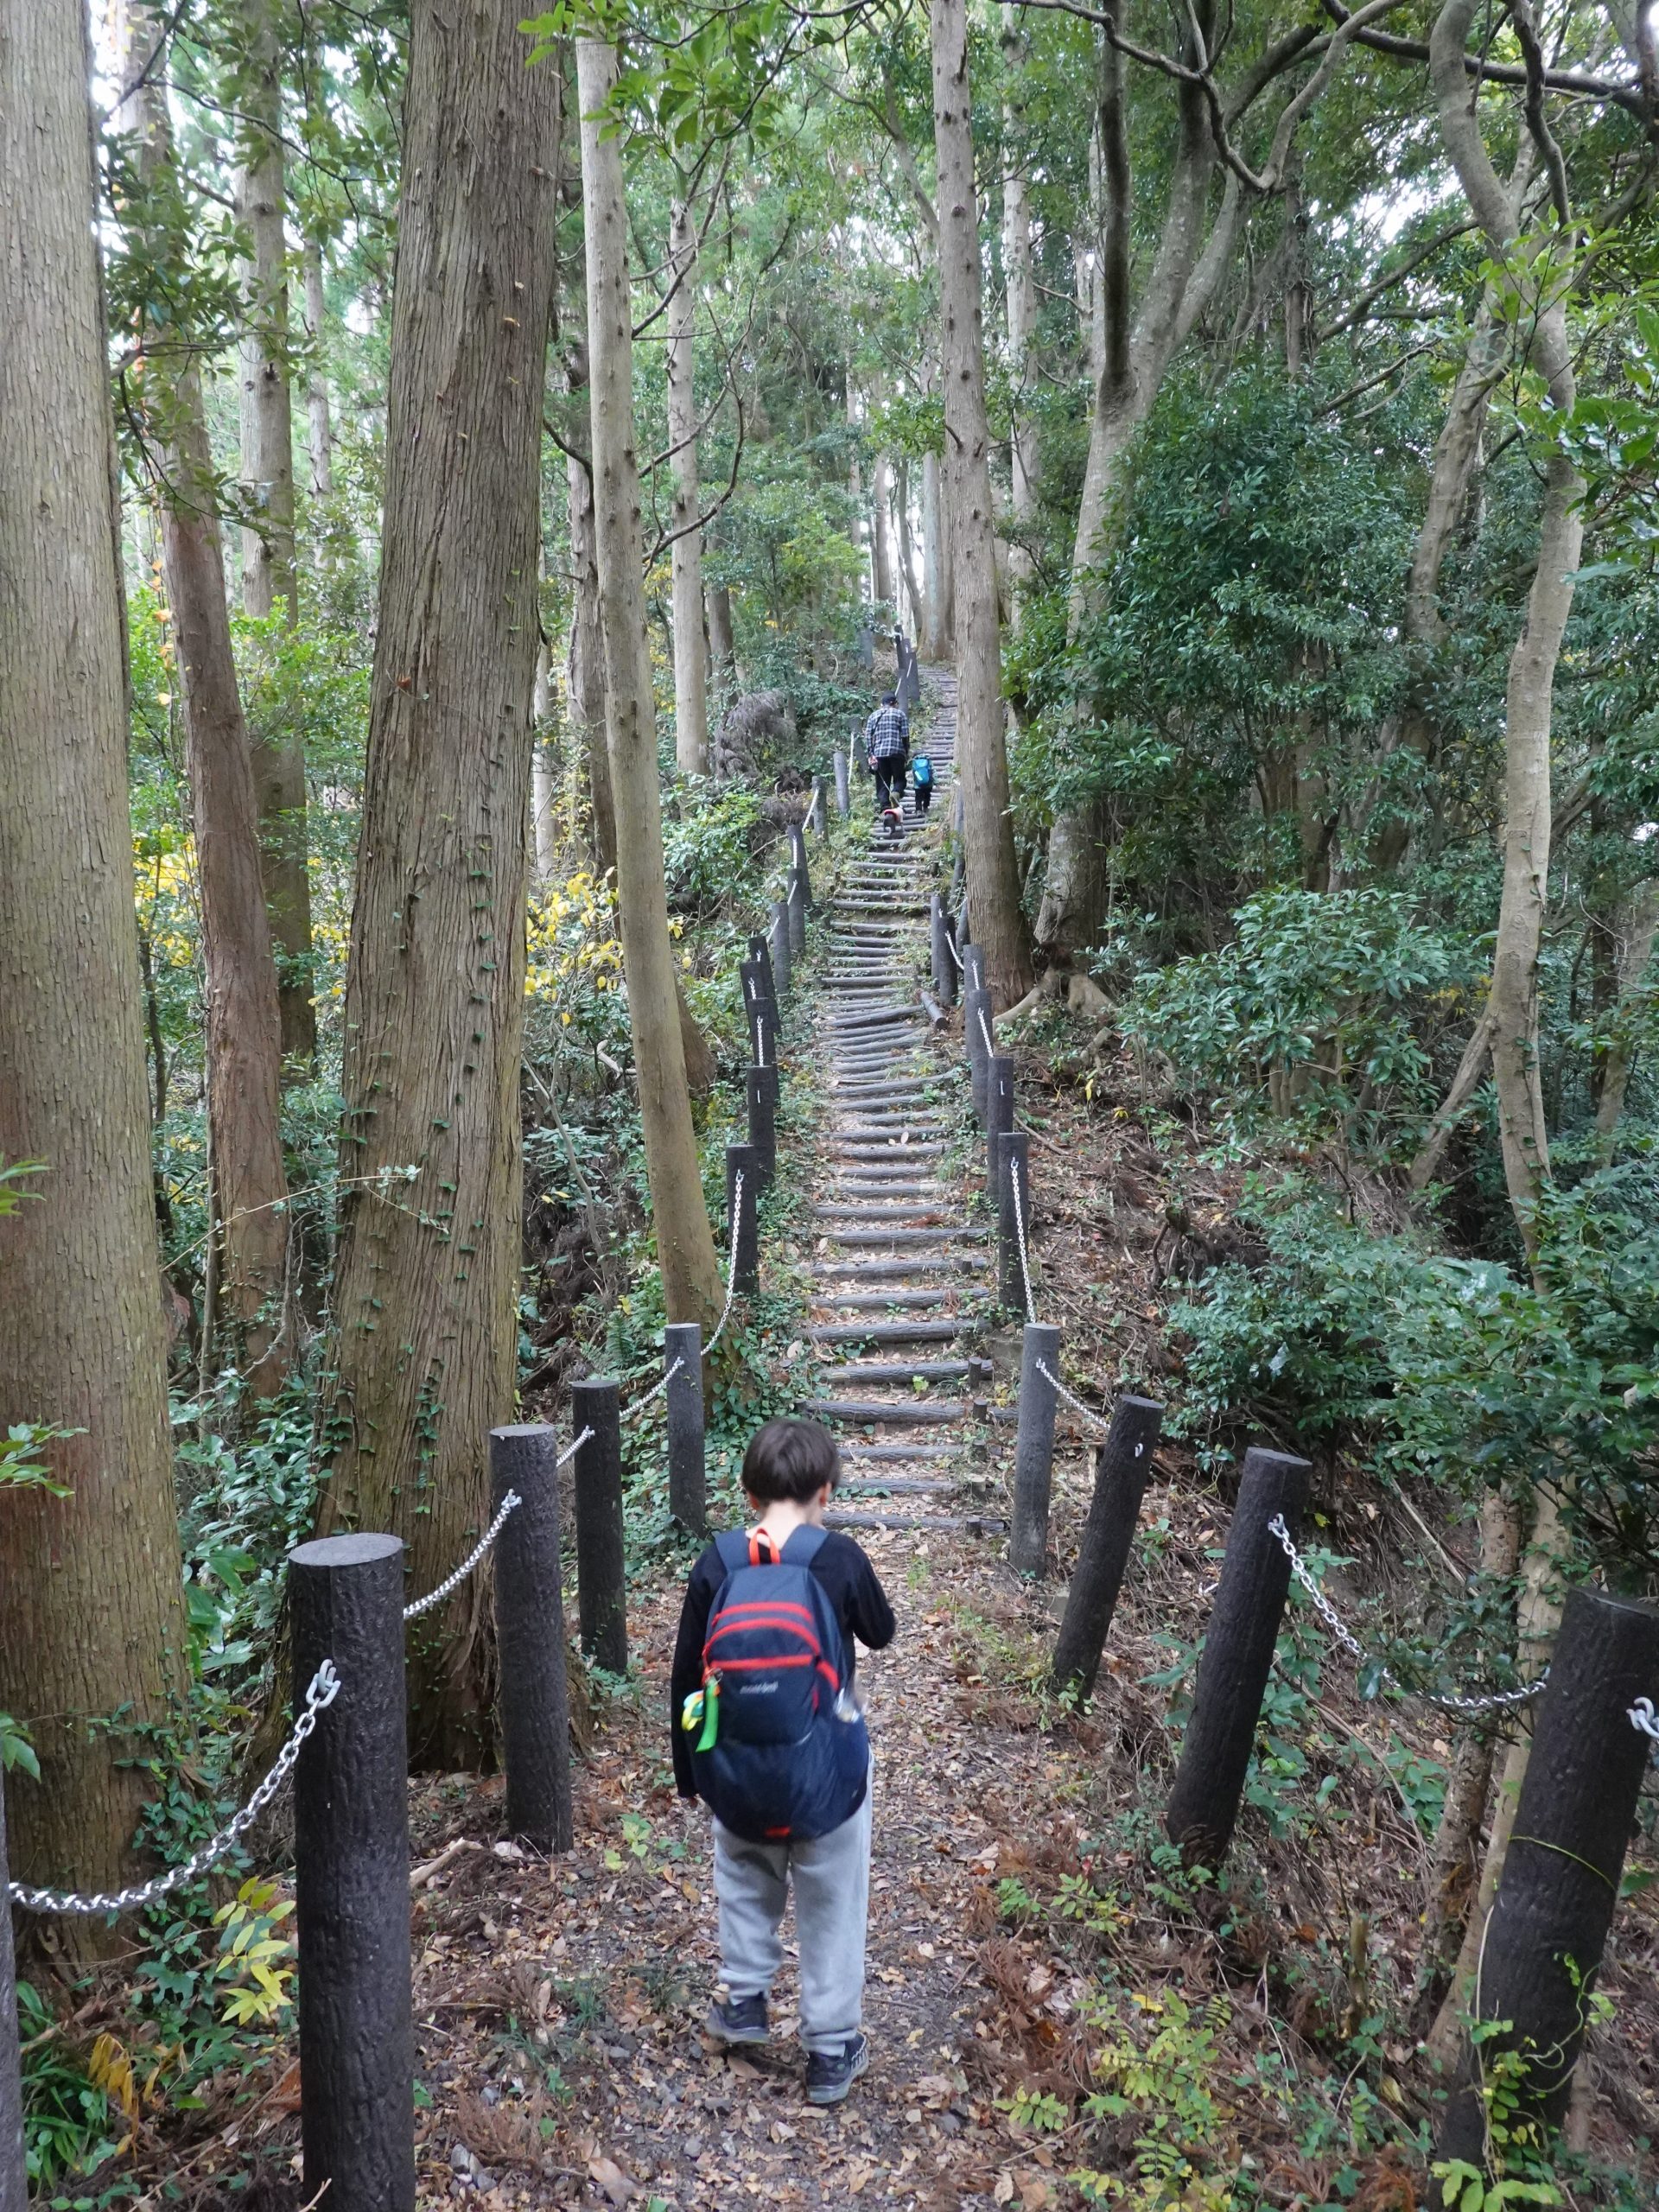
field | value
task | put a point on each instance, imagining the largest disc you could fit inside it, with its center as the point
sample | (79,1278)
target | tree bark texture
(982,753)
(1020,285)
(268,563)
(723,650)
(685,1245)
(1512,1003)
(90,1616)
(427,1281)
(691,656)
(587,654)
(319,424)
(938,615)
(242,1024)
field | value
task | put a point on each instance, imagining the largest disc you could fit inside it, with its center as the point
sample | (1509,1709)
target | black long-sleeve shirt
(861,1605)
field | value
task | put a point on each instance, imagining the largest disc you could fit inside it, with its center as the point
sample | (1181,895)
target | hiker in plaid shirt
(886,747)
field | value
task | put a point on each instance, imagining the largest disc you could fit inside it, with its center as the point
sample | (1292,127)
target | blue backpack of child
(780,1752)
(922,769)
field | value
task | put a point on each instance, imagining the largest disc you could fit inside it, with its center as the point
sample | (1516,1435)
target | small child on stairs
(766,1731)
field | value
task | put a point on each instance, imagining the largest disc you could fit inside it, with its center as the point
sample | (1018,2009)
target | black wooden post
(1122,1464)
(795,909)
(760,957)
(999,1111)
(533,1703)
(742,1191)
(976,1026)
(1033,1450)
(757,1007)
(821,804)
(762,1087)
(965,935)
(1545,1936)
(13,2170)
(1203,1809)
(351,1877)
(1013,1208)
(843,785)
(688,1492)
(797,847)
(944,965)
(778,941)
(602,1574)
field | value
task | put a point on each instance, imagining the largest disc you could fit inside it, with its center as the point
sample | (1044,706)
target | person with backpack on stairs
(766,1731)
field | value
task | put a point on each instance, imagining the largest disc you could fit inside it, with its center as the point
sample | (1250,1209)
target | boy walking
(921,770)
(766,1731)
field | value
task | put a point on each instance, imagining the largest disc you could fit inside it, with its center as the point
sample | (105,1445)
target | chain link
(321,1693)
(731,1271)
(655,1391)
(509,1504)
(1449,1701)
(1641,1716)
(1019,1226)
(1076,1404)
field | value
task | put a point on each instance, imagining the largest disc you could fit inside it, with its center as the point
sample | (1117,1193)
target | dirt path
(558,2008)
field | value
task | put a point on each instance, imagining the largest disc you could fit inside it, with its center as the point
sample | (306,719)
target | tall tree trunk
(935,581)
(722,647)
(981,755)
(268,563)
(882,580)
(543,850)
(319,429)
(249,1185)
(1512,1003)
(1020,283)
(243,1024)
(427,1280)
(586,663)
(685,1248)
(1638,924)
(690,664)
(91,1621)
(914,593)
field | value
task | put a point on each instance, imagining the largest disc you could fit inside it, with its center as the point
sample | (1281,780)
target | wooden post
(688,1489)
(843,785)
(601,1572)
(351,1877)
(976,1022)
(821,804)
(1014,1174)
(795,907)
(797,847)
(757,1008)
(1122,1464)
(1203,1809)
(532,1703)
(760,957)
(14,2169)
(1033,1450)
(762,1088)
(999,1112)
(944,966)
(1544,1937)
(742,1231)
(778,945)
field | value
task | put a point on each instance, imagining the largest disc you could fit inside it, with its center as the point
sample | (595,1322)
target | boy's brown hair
(790,1459)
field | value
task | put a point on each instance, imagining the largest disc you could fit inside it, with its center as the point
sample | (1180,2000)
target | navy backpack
(774,1758)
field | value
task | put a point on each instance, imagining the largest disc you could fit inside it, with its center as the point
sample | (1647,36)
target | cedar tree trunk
(992,869)
(685,1248)
(90,1621)
(427,1281)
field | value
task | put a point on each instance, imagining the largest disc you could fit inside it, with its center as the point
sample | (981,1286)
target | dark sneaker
(740,2019)
(830,2073)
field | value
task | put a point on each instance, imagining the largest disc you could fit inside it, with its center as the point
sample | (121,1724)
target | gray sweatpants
(832,1901)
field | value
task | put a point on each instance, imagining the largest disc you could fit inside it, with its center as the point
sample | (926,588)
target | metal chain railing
(1020,1230)
(1449,1701)
(985,1031)
(1098,1421)
(321,1693)
(731,1270)
(510,1504)
(655,1391)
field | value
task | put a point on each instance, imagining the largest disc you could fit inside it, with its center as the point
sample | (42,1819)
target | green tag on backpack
(710,1714)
